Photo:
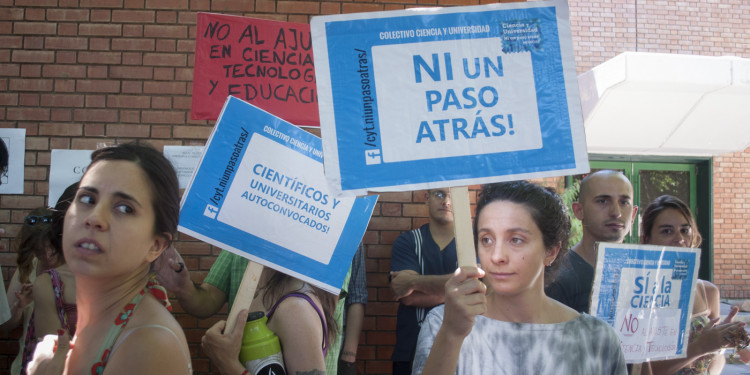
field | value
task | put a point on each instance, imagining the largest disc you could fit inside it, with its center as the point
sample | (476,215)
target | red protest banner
(266,63)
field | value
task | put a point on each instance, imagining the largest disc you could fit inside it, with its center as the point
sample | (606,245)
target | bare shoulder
(711,288)
(293,316)
(712,297)
(150,350)
(152,342)
(296,308)
(712,292)
(152,312)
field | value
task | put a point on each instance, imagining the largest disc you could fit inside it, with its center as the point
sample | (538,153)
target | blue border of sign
(220,147)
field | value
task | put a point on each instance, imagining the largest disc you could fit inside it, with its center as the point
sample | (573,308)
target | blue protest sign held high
(260,192)
(446,97)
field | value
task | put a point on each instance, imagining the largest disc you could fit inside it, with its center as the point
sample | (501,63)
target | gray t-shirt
(585,345)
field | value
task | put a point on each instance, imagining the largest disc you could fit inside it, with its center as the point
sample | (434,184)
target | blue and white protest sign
(260,192)
(645,293)
(442,97)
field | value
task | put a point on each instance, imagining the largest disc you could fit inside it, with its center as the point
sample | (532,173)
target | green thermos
(261,351)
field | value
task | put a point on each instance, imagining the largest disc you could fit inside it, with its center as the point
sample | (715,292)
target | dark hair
(658,206)
(273,288)
(32,240)
(160,175)
(58,215)
(545,207)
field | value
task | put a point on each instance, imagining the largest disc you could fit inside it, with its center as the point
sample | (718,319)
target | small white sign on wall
(15,142)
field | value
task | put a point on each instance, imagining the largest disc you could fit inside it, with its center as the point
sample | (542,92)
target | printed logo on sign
(681,268)
(372,157)
(521,36)
(210,211)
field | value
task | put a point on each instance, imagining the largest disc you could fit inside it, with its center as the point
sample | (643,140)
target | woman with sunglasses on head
(38,261)
(54,290)
(123,217)
(505,324)
(668,221)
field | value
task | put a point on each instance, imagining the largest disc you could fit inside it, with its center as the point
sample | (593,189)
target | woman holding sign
(123,217)
(506,323)
(300,314)
(668,221)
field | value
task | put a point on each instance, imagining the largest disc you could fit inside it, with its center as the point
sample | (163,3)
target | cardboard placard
(428,98)
(260,192)
(645,293)
(266,63)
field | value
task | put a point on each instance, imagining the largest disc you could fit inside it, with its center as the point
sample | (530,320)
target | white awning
(665,104)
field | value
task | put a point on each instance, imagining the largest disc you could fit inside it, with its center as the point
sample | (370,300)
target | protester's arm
(408,285)
(714,304)
(355,307)
(464,300)
(413,289)
(355,315)
(202,300)
(300,332)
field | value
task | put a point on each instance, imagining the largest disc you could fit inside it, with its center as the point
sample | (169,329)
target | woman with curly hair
(505,323)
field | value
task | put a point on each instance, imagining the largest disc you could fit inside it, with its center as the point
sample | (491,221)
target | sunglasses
(439,195)
(32,220)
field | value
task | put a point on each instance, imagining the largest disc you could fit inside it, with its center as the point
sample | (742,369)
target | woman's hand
(732,313)
(714,337)
(464,299)
(744,353)
(50,355)
(223,348)
(171,271)
(24,296)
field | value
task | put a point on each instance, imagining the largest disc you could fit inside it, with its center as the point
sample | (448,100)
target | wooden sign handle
(462,226)
(245,293)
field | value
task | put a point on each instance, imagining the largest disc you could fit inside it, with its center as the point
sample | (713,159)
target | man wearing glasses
(422,260)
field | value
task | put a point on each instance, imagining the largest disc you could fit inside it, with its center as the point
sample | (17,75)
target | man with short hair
(422,260)
(606,210)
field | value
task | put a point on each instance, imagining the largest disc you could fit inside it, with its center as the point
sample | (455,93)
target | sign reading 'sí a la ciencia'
(645,293)
(445,97)
(259,191)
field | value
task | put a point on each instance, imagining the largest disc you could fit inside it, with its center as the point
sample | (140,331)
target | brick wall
(76,73)
(731,224)
(604,29)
